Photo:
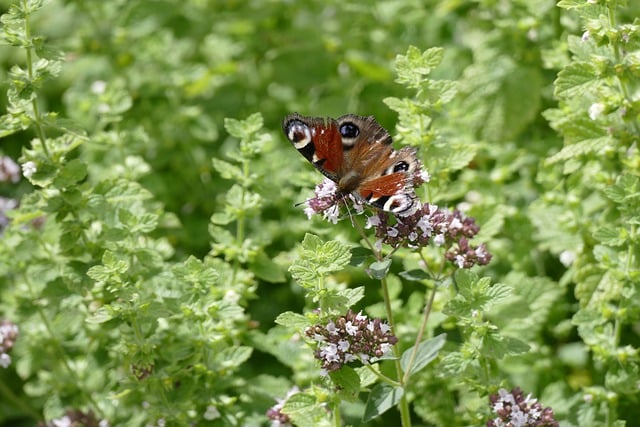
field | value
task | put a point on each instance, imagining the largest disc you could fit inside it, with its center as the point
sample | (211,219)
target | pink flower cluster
(516,410)
(430,223)
(8,337)
(349,338)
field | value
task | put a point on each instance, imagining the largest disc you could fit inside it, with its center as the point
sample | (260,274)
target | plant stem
(423,327)
(37,119)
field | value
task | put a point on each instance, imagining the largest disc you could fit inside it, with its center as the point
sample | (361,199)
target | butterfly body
(355,152)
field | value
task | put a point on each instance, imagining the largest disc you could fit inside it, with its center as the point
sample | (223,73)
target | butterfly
(355,152)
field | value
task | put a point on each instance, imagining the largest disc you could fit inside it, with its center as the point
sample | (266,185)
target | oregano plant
(438,244)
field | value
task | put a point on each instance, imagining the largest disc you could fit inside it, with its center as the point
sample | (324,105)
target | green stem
(383,377)
(62,355)
(8,396)
(423,327)
(37,119)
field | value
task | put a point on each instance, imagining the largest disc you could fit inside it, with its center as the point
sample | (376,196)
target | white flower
(595,110)
(384,328)
(372,221)
(425,225)
(331,328)
(567,258)
(28,169)
(330,353)
(98,87)
(385,348)
(211,413)
(332,214)
(5,360)
(456,224)
(351,328)
(62,422)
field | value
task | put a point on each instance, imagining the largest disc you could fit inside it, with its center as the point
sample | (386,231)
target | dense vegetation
(155,269)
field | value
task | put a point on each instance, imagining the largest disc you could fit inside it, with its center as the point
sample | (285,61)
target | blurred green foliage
(149,257)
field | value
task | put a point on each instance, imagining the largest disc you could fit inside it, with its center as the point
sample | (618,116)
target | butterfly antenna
(344,200)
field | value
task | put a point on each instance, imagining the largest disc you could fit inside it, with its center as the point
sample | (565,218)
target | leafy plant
(156,269)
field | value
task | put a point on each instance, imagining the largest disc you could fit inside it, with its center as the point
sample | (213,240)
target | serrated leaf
(498,346)
(576,79)
(303,272)
(585,146)
(382,398)
(335,256)
(311,242)
(101,315)
(305,410)
(379,269)
(223,218)
(292,320)
(227,170)
(244,128)
(71,173)
(611,236)
(347,381)
(465,281)
(232,357)
(427,351)
(353,295)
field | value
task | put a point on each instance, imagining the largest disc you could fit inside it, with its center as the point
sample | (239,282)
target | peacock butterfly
(355,152)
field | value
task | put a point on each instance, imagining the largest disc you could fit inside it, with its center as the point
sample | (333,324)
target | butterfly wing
(356,153)
(388,183)
(319,141)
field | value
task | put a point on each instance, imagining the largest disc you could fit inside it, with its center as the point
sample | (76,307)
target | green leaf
(414,65)
(243,129)
(353,295)
(497,346)
(71,173)
(347,381)
(232,357)
(359,255)
(264,268)
(305,410)
(585,146)
(611,236)
(427,351)
(573,4)
(227,170)
(576,79)
(382,398)
(379,269)
(101,315)
(311,242)
(318,259)
(304,273)
(416,275)
(293,320)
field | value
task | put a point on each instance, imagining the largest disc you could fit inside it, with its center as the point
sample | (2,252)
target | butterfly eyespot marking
(298,133)
(349,130)
(401,166)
